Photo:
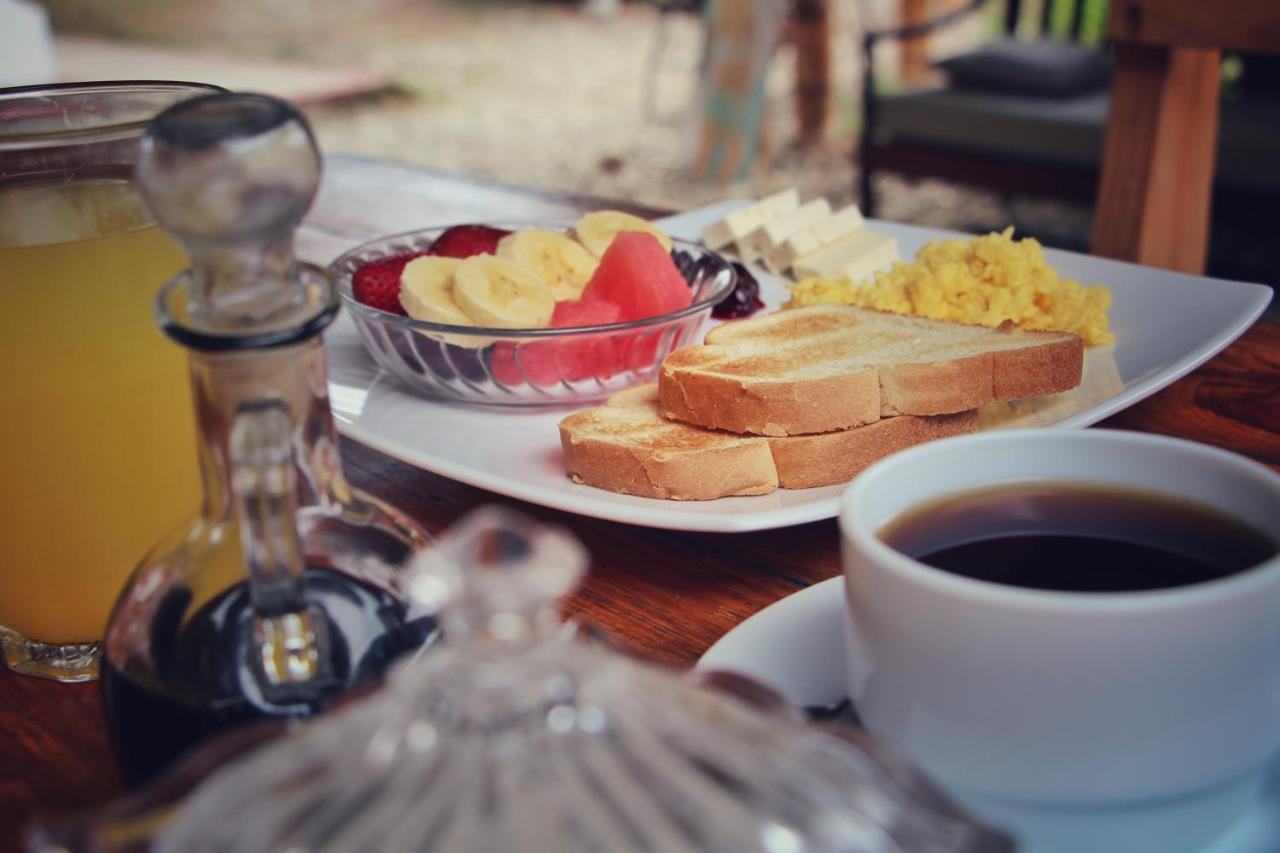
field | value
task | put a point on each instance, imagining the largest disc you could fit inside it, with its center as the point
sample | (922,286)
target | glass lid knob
(499,574)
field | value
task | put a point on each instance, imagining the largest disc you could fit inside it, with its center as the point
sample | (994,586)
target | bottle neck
(268,453)
(225,385)
(246,286)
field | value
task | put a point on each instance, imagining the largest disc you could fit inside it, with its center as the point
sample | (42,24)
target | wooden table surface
(663,594)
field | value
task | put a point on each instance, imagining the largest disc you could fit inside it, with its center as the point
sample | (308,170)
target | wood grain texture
(54,755)
(1158,158)
(811,33)
(660,594)
(915,51)
(1247,25)
(1232,402)
(1157,168)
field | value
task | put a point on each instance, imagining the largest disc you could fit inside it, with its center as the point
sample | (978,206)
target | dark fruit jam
(743,301)
(203,682)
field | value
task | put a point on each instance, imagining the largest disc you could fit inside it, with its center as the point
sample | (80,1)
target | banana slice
(502,294)
(561,261)
(426,291)
(596,230)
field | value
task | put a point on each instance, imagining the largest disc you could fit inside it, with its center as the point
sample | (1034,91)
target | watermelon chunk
(585,313)
(638,276)
(534,361)
(586,355)
(640,350)
(581,357)
(636,279)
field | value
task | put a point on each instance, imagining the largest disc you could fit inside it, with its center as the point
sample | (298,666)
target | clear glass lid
(519,733)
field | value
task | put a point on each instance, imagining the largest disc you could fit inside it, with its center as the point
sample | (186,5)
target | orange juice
(97,435)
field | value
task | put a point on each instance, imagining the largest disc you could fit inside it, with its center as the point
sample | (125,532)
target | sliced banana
(561,261)
(502,294)
(597,230)
(426,291)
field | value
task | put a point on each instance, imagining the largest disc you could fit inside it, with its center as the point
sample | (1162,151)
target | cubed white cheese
(773,232)
(737,225)
(808,240)
(855,257)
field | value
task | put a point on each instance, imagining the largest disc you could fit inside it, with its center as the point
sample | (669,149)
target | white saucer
(796,646)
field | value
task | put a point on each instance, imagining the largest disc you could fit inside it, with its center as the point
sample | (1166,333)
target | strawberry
(463,241)
(377,283)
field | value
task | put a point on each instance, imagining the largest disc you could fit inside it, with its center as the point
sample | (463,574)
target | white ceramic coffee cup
(1058,697)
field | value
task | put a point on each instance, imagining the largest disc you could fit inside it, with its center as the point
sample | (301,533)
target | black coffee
(1078,538)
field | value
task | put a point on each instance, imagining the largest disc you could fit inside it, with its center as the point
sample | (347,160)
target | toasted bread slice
(805,461)
(831,367)
(626,446)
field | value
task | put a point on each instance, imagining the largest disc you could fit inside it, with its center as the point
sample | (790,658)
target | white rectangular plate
(1166,324)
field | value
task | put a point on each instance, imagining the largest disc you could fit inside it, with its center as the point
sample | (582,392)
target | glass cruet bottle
(285,590)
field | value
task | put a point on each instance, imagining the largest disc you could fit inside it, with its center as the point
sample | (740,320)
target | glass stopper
(231,177)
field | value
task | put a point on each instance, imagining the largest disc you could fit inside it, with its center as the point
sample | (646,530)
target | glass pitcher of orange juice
(96,429)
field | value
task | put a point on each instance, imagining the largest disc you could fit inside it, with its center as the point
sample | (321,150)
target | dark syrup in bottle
(205,685)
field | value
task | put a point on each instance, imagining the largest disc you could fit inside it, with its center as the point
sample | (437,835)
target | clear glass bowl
(525,367)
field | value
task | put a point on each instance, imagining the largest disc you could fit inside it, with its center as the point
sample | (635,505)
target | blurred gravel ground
(550,97)
(544,95)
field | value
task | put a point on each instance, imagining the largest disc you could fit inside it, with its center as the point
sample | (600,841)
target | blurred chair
(743,35)
(1162,131)
(1028,111)
(1022,112)
(740,39)
(811,33)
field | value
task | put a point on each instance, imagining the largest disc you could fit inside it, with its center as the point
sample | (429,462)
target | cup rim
(108,130)
(82,86)
(989,593)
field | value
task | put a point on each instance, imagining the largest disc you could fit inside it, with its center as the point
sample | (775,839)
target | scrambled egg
(986,280)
